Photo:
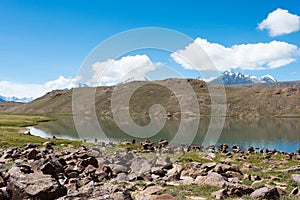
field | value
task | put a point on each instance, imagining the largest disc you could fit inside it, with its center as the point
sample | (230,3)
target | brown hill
(240,101)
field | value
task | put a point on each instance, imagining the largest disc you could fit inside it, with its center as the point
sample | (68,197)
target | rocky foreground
(147,171)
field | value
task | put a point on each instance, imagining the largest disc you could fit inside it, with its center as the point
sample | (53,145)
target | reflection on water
(273,133)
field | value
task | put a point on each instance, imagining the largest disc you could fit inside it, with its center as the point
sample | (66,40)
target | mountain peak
(230,77)
(15,99)
(268,78)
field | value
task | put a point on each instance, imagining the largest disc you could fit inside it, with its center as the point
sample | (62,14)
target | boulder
(223,168)
(33,186)
(220,194)
(238,189)
(141,167)
(296,178)
(146,194)
(212,178)
(265,193)
(32,154)
(31,146)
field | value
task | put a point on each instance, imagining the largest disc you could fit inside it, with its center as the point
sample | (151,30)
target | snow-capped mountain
(229,77)
(15,99)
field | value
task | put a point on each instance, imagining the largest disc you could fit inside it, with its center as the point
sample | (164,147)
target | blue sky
(41,41)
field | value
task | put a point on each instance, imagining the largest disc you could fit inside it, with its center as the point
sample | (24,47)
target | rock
(146,194)
(186,180)
(251,150)
(158,171)
(2,182)
(255,178)
(212,179)
(4,194)
(140,167)
(294,192)
(72,174)
(116,169)
(121,177)
(30,146)
(258,184)
(119,196)
(52,168)
(88,187)
(93,161)
(296,178)
(193,170)
(291,169)
(161,197)
(33,186)
(265,193)
(32,153)
(211,155)
(238,189)
(232,174)
(25,169)
(223,168)
(220,194)
(162,143)
(48,145)
(208,166)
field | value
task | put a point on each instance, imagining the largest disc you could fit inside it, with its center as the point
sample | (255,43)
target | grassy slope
(240,101)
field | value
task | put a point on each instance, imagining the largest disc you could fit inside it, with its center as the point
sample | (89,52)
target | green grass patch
(129,146)
(22,120)
(193,156)
(11,127)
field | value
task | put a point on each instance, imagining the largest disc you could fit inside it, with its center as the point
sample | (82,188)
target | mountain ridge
(15,99)
(230,77)
(241,101)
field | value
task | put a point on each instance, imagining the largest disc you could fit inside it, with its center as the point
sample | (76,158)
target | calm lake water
(272,133)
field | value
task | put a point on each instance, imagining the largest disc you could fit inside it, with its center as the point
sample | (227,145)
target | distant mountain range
(229,77)
(240,101)
(15,99)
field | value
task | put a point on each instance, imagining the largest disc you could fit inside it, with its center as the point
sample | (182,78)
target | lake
(272,133)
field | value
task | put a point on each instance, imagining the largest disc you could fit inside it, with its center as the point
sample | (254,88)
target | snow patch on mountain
(229,77)
(15,99)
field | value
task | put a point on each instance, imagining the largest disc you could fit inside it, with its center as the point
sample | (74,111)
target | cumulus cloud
(280,22)
(21,90)
(61,83)
(205,55)
(127,68)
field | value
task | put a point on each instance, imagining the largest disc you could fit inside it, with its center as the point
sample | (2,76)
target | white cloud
(60,83)
(129,67)
(21,90)
(280,22)
(210,56)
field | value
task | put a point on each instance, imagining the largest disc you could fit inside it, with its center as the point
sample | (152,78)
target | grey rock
(33,186)
(212,179)
(296,177)
(265,193)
